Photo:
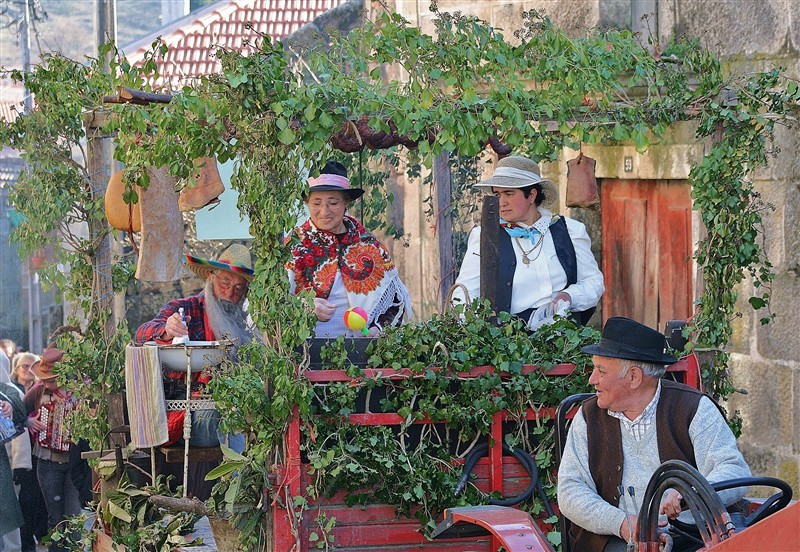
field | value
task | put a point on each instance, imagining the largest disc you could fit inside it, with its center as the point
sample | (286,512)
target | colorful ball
(355,318)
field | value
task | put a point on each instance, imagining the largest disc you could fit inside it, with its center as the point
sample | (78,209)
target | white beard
(227,321)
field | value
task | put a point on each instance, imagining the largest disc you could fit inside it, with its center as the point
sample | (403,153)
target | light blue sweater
(716,454)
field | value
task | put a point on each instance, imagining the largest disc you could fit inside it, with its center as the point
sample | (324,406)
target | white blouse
(536,282)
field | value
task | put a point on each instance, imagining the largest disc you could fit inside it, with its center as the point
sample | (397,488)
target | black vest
(507,265)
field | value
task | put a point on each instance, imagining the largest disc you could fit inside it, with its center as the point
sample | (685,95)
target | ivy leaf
(236,80)
(286,136)
(118,512)
(325,120)
(224,469)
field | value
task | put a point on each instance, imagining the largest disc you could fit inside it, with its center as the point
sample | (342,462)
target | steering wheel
(773,504)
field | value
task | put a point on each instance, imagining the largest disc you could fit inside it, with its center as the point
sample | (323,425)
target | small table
(189,403)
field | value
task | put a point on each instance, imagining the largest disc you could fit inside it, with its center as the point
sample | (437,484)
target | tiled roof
(235,24)
(10,100)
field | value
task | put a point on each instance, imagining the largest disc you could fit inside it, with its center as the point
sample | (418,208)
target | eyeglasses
(226,284)
(332,205)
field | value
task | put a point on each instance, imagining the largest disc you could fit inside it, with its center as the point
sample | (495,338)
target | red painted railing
(377,526)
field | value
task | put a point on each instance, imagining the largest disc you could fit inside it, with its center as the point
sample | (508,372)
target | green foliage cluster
(132,520)
(239,497)
(746,110)
(56,191)
(445,410)
(60,197)
(93,369)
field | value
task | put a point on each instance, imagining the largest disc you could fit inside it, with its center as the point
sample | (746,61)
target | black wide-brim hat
(333,178)
(630,340)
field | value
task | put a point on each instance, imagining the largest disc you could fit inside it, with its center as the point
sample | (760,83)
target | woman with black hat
(341,262)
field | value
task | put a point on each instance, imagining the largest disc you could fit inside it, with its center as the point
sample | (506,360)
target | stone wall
(765,359)
(747,35)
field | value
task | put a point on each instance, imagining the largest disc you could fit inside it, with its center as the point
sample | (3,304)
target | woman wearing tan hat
(341,262)
(48,405)
(545,262)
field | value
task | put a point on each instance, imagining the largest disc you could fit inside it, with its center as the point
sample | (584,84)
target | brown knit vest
(676,408)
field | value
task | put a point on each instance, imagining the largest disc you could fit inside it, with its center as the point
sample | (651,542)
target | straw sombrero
(235,259)
(517,172)
(43,368)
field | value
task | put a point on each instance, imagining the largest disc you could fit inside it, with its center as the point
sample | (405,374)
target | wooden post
(98,153)
(442,180)
(490,231)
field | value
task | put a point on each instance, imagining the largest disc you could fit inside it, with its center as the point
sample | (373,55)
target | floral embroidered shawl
(368,272)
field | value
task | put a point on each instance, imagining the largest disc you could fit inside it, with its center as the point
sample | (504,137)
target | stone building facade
(746,35)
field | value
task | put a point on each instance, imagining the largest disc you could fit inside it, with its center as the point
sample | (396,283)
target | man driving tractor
(620,437)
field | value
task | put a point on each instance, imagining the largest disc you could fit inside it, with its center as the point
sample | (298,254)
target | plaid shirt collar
(638,427)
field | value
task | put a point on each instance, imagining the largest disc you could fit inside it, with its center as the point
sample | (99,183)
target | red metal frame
(514,529)
(776,532)
(289,534)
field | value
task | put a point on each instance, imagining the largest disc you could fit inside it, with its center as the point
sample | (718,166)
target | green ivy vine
(411,466)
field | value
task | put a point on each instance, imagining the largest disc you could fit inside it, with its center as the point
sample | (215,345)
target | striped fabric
(147,410)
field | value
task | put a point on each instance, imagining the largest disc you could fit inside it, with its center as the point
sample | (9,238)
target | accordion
(57,435)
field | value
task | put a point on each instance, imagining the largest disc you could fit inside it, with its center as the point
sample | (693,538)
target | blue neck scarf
(516,231)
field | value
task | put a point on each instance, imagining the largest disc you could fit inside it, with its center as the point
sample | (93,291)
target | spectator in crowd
(61,496)
(21,374)
(9,348)
(30,496)
(12,416)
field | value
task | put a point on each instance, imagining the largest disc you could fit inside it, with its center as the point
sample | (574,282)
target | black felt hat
(333,177)
(628,339)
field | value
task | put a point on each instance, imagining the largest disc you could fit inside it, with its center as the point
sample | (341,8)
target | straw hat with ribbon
(235,259)
(333,177)
(515,171)
(43,368)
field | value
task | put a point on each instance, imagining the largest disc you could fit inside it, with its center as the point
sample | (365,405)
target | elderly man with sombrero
(216,313)
(545,263)
(621,436)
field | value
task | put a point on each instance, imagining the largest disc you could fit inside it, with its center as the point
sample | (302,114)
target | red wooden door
(647,250)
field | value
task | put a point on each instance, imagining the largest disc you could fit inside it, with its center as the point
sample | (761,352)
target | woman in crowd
(21,374)
(61,497)
(30,495)
(545,263)
(12,416)
(341,262)
(8,347)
